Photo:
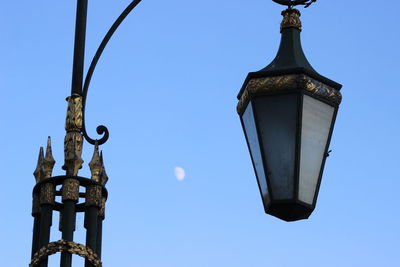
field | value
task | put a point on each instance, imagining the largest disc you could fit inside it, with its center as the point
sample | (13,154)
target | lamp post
(288,111)
(78,194)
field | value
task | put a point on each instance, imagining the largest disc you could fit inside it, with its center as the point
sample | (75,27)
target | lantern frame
(289,73)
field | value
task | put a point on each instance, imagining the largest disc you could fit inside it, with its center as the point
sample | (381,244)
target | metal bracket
(292,3)
(102,130)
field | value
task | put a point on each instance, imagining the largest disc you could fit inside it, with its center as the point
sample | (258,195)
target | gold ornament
(47,193)
(65,246)
(70,190)
(291,82)
(93,196)
(291,18)
(95,164)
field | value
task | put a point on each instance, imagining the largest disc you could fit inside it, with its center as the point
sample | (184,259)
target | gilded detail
(288,83)
(74,113)
(291,18)
(66,246)
(102,210)
(93,196)
(35,204)
(47,193)
(317,88)
(70,190)
(38,173)
(73,140)
(45,164)
(103,174)
(48,161)
(72,153)
(95,164)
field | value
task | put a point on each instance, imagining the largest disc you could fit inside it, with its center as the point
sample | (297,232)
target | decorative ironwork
(45,189)
(291,3)
(95,164)
(102,211)
(288,83)
(45,164)
(38,173)
(65,246)
(35,204)
(73,143)
(70,190)
(74,113)
(322,90)
(93,196)
(73,140)
(291,19)
(48,161)
(102,130)
(103,174)
(47,193)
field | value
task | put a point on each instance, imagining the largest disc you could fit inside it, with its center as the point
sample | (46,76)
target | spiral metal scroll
(102,130)
(291,3)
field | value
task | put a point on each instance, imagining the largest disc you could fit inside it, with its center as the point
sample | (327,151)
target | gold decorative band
(47,193)
(70,190)
(289,82)
(102,211)
(66,246)
(35,204)
(73,140)
(74,113)
(291,18)
(73,144)
(93,196)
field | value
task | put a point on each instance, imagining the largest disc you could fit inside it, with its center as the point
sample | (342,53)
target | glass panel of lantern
(288,136)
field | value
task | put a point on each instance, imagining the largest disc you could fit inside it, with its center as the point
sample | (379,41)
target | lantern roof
(290,58)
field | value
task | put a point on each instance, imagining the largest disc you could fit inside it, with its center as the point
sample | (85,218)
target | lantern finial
(291,18)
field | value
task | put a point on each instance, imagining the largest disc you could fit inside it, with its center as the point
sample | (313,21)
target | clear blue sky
(166,87)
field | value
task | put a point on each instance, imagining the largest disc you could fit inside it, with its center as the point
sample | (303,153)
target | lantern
(288,111)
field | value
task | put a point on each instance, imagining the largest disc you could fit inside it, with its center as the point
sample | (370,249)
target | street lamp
(288,111)
(77,194)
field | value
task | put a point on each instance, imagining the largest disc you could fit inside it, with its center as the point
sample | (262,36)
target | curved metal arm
(102,130)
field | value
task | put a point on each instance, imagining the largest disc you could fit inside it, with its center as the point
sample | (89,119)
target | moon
(179,173)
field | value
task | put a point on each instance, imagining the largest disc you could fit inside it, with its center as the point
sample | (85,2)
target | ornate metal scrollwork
(73,140)
(289,82)
(93,196)
(70,190)
(291,3)
(291,18)
(65,246)
(47,194)
(102,130)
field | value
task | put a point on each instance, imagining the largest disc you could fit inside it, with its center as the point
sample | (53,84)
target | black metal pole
(99,235)
(79,47)
(68,225)
(35,237)
(46,214)
(91,215)
(36,223)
